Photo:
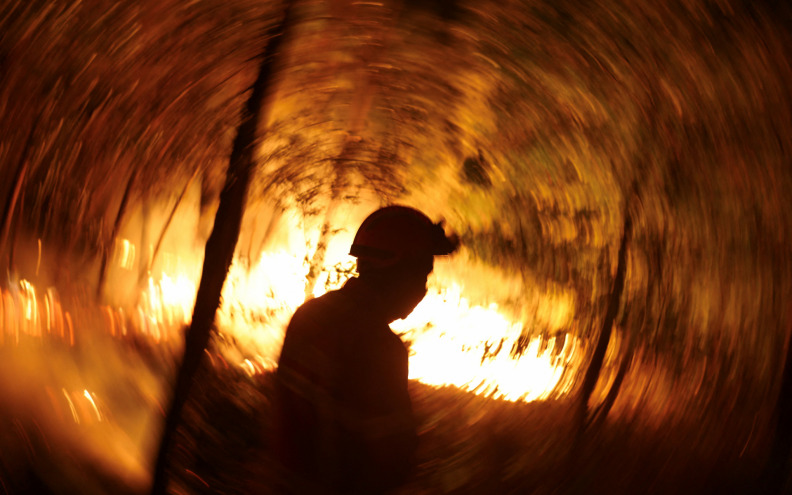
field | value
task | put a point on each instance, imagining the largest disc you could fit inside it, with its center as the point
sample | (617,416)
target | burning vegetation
(179,177)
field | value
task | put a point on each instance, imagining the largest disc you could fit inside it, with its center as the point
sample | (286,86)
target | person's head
(395,248)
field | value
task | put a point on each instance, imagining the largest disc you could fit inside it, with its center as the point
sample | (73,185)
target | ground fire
(452,342)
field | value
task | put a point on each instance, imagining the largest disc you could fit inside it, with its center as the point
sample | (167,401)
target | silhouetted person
(344,421)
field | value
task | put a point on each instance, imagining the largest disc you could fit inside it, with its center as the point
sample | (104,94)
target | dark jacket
(344,419)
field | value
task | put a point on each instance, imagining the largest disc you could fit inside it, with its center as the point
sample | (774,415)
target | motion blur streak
(534,128)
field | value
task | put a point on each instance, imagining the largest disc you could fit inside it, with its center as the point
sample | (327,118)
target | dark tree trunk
(582,417)
(595,368)
(222,242)
(598,416)
(108,245)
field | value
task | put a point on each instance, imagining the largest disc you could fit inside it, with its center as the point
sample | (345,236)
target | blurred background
(616,321)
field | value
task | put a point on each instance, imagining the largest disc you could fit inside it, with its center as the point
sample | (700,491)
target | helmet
(394,233)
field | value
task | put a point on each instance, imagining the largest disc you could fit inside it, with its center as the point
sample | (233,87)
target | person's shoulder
(323,308)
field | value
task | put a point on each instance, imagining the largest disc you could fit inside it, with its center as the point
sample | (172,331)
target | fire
(28,313)
(165,306)
(452,341)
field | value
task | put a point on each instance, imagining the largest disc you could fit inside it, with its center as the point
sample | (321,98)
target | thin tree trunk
(598,416)
(114,232)
(12,201)
(271,223)
(145,245)
(15,233)
(581,414)
(146,268)
(249,252)
(595,367)
(19,179)
(222,241)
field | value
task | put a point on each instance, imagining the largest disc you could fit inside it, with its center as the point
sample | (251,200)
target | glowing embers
(470,347)
(26,313)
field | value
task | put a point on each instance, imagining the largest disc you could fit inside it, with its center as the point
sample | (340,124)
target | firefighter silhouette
(344,421)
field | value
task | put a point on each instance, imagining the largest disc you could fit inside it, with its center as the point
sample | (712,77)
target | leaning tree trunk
(595,367)
(114,232)
(598,416)
(146,266)
(582,416)
(222,242)
(271,224)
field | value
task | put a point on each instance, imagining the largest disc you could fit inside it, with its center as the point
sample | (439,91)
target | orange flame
(452,342)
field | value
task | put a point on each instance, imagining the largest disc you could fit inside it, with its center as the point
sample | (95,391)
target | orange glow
(71,406)
(24,312)
(448,335)
(124,253)
(165,306)
(452,341)
(90,398)
(468,346)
